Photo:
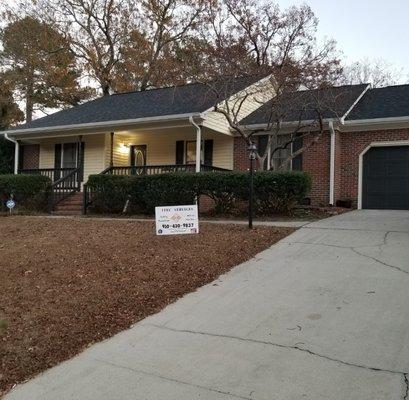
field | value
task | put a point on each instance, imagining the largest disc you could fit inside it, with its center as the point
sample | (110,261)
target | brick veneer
(240,158)
(316,161)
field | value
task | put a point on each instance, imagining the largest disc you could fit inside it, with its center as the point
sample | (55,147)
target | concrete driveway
(323,314)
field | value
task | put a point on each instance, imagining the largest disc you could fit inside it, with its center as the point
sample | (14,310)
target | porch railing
(158,169)
(53,173)
(64,187)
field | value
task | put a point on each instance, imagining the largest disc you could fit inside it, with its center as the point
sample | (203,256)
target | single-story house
(362,157)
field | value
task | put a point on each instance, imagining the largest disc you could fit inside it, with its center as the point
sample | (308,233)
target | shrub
(280,192)
(150,191)
(224,188)
(109,192)
(274,191)
(30,192)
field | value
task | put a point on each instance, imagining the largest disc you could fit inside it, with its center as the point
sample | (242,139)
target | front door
(138,157)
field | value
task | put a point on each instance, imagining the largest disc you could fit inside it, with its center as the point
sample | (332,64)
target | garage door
(385,183)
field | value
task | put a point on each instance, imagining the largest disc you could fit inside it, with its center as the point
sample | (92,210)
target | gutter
(16,152)
(105,125)
(332,164)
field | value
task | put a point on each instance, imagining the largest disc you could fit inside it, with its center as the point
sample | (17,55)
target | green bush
(30,192)
(109,192)
(275,192)
(279,192)
(150,191)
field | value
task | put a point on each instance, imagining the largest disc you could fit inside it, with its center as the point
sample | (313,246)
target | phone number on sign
(175,226)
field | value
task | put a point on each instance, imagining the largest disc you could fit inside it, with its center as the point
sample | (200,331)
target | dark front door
(138,157)
(385,178)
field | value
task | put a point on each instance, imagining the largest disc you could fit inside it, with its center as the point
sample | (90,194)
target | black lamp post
(252,156)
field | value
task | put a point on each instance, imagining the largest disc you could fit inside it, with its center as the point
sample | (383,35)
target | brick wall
(240,155)
(316,161)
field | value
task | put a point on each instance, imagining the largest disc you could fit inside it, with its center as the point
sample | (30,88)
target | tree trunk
(30,99)
(106,89)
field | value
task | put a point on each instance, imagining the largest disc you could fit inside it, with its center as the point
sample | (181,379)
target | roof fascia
(105,125)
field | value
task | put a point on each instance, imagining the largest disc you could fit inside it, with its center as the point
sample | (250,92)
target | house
(363,155)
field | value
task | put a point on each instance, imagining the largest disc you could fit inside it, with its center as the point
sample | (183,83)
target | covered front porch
(68,160)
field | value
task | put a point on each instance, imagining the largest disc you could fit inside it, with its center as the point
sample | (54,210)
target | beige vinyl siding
(257,94)
(93,154)
(161,146)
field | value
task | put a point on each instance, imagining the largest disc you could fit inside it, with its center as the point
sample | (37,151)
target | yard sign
(177,220)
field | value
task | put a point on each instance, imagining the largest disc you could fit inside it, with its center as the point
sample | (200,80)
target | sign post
(177,220)
(10,204)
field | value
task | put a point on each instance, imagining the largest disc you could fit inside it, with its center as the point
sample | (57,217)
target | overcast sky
(365,28)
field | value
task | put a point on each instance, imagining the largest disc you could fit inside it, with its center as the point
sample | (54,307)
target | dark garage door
(385,183)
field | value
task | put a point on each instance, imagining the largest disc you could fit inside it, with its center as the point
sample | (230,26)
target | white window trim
(361,163)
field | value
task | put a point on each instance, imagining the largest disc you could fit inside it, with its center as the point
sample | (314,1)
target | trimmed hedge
(275,192)
(30,192)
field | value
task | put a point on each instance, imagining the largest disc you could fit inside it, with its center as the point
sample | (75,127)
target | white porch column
(198,143)
(16,156)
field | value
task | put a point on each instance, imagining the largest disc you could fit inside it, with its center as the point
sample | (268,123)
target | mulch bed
(67,283)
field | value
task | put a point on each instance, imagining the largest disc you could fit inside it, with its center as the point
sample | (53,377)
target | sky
(364,28)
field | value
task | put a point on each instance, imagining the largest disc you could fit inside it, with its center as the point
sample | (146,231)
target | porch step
(70,206)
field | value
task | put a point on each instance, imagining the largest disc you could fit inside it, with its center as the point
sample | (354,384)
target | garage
(385,178)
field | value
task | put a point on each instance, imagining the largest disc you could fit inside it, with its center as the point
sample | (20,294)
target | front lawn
(67,283)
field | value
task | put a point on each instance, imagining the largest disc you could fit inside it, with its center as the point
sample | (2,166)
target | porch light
(124,148)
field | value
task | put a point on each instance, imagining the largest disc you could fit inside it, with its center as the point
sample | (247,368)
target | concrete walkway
(324,314)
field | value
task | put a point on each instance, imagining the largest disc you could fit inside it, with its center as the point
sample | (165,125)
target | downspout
(198,143)
(332,164)
(16,152)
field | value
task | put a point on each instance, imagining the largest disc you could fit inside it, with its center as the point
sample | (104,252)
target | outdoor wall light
(124,148)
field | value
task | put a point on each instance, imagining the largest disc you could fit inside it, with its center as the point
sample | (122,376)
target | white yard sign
(176,220)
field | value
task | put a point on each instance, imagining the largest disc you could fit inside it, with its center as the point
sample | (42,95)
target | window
(278,154)
(69,155)
(190,154)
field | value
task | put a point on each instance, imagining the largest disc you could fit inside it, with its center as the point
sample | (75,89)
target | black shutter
(57,161)
(180,149)
(297,161)
(21,157)
(208,152)
(82,159)
(262,146)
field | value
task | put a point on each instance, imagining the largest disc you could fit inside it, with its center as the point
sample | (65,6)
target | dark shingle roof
(387,102)
(186,99)
(332,102)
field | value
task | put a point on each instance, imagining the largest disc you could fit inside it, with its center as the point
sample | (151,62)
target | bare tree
(378,72)
(288,117)
(277,43)
(96,31)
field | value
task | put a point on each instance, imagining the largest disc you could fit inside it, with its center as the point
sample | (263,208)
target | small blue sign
(10,204)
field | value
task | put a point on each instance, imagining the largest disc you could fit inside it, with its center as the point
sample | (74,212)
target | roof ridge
(391,86)
(184,84)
